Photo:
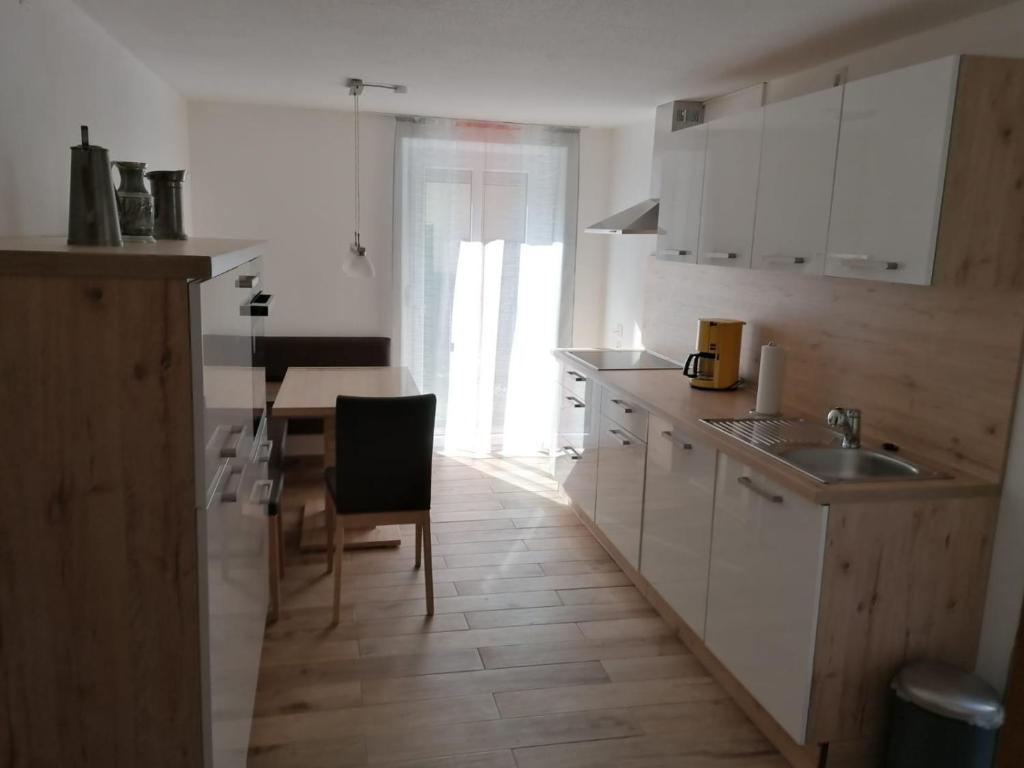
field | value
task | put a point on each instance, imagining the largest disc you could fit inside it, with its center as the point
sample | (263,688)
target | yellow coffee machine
(716,363)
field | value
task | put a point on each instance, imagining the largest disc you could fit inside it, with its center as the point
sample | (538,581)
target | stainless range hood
(642,218)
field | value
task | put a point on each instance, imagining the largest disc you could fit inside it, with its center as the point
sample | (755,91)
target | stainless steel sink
(830,465)
(816,451)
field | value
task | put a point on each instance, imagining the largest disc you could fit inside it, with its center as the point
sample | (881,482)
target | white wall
(591,250)
(629,177)
(999,32)
(59,70)
(284,174)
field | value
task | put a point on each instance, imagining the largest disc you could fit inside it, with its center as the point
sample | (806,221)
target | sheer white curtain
(485,216)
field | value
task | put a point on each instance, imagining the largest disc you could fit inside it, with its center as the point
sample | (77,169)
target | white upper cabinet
(798,160)
(730,189)
(682,176)
(890,171)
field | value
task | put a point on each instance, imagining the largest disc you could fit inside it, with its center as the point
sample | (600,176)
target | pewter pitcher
(92,206)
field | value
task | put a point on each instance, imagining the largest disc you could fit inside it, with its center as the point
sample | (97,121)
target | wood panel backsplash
(934,369)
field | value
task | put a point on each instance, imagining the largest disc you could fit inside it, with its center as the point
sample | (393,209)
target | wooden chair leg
(331,525)
(428,561)
(274,550)
(419,544)
(338,551)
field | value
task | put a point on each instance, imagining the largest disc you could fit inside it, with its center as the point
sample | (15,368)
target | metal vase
(92,207)
(166,187)
(134,203)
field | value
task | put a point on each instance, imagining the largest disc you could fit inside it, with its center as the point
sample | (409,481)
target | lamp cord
(356,97)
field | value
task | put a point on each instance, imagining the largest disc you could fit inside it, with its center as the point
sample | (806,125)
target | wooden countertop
(194,259)
(668,394)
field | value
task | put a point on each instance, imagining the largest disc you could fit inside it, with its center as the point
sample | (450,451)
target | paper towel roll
(769,380)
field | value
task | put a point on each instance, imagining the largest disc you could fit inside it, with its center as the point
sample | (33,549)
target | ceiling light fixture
(357,263)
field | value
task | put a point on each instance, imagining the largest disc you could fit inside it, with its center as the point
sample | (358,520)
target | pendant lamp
(357,263)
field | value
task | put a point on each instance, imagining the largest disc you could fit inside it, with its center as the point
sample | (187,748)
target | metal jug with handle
(92,206)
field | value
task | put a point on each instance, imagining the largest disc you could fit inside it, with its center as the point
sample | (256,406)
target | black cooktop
(621,359)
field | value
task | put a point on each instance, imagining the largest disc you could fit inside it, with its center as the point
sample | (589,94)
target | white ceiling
(571,62)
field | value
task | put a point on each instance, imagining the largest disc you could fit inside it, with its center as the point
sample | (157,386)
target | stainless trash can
(942,717)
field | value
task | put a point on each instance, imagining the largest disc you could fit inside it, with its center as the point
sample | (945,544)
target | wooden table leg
(316,531)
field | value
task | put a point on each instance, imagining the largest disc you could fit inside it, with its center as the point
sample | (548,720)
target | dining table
(312,393)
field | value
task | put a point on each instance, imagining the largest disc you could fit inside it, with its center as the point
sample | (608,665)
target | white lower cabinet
(620,488)
(678,505)
(766,561)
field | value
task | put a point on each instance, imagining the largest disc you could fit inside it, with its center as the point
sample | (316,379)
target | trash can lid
(945,690)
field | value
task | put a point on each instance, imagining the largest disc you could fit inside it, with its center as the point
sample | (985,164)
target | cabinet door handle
(229,448)
(721,255)
(667,434)
(618,436)
(575,454)
(576,402)
(576,376)
(626,407)
(865,261)
(747,483)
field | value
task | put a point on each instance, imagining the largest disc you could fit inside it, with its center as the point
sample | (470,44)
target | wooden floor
(541,653)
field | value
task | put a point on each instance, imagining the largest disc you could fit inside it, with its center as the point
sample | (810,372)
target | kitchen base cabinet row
(803,611)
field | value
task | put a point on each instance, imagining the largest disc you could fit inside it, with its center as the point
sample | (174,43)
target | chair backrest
(385,450)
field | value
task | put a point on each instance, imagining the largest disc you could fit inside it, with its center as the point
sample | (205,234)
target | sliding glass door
(485,221)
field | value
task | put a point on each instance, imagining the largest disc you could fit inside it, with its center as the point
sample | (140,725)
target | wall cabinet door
(890,172)
(620,488)
(682,181)
(575,463)
(678,503)
(766,559)
(730,189)
(794,197)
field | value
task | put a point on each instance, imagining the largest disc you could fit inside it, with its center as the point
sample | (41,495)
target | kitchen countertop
(194,259)
(668,394)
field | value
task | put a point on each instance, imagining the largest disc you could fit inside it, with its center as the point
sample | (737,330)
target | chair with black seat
(384,449)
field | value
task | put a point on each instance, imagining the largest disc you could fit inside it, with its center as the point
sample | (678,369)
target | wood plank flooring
(541,652)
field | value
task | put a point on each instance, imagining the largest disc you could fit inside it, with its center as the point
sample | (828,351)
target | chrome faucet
(847,421)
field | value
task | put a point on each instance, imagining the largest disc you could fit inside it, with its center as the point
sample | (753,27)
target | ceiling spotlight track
(357,263)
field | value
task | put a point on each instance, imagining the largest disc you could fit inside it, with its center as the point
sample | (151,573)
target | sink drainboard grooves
(766,433)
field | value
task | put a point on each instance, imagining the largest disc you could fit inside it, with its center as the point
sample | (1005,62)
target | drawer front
(572,417)
(624,412)
(231,395)
(574,379)
(678,507)
(620,488)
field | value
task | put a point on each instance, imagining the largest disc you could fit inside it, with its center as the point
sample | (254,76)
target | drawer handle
(262,492)
(746,482)
(626,407)
(258,306)
(575,454)
(618,436)
(576,402)
(229,448)
(721,255)
(247,281)
(783,258)
(667,434)
(576,376)
(231,489)
(266,449)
